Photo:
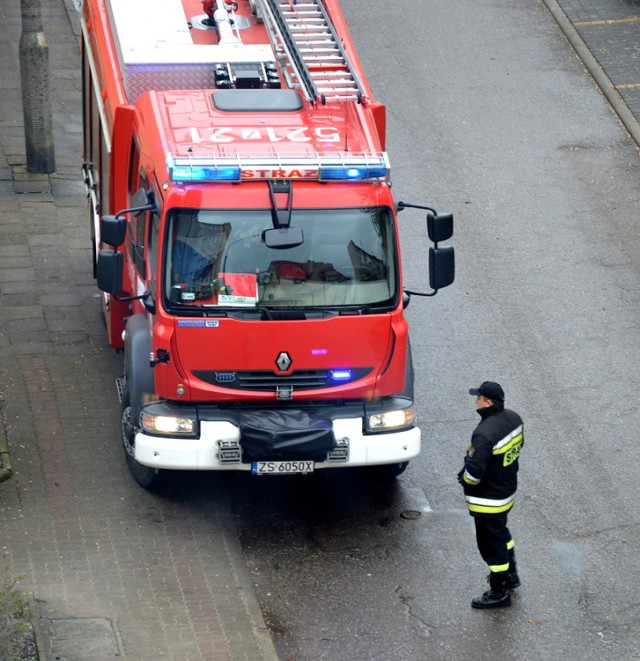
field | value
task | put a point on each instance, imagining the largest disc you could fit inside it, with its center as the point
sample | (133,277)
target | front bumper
(215,448)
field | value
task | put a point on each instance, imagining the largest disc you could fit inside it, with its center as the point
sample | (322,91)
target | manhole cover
(411,514)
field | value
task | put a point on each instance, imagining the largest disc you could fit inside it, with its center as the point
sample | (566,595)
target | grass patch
(17,638)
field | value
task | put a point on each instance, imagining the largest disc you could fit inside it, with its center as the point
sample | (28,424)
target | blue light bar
(319,167)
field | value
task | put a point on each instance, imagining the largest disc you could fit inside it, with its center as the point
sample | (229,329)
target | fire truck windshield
(219,258)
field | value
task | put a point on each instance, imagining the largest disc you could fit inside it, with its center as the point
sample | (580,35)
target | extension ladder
(315,59)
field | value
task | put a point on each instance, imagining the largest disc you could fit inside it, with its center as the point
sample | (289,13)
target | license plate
(281,467)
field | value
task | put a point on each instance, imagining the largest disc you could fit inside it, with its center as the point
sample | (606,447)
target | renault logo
(283,361)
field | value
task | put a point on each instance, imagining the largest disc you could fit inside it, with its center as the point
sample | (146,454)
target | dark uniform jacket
(490,474)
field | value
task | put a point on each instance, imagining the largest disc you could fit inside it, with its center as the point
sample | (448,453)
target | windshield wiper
(323,312)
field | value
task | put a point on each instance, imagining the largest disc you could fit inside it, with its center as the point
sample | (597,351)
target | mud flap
(285,435)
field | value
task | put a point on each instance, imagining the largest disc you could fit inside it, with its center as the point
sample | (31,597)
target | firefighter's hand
(461,477)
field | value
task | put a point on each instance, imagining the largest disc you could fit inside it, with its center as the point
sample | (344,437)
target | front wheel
(145,476)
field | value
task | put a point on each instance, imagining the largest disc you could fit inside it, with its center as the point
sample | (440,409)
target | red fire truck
(245,238)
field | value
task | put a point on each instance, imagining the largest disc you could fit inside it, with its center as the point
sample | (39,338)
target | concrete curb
(597,72)
(41,645)
(6,470)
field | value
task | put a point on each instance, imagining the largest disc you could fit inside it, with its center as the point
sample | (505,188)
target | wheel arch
(409,374)
(137,368)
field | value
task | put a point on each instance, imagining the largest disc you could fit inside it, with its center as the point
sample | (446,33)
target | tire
(146,476)
(94,255)
(103,315)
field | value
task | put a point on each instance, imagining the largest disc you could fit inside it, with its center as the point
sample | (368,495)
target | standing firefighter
(490,480)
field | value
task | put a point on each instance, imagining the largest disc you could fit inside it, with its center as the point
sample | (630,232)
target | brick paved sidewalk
(115,571)
(611,31)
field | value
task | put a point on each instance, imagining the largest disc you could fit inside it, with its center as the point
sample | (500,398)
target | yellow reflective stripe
(488,506)
(497,568)
(496,502)
(484,509)
(508,441)
(509,446)
(510,545)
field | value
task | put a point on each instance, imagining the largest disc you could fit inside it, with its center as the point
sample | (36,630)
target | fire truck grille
(266,380)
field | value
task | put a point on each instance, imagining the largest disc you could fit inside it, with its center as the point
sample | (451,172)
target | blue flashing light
(198,173)
(352,173)
(223,377)
(340,375)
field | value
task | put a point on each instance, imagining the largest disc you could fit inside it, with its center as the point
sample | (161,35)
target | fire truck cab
(245,238)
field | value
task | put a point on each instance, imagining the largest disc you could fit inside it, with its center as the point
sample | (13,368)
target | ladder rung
(305,40)
(316,34)
(342,98)
(328,53)
(324,63)
(330,74)
(325,44)
(335,82)
(331,92)
(302,15)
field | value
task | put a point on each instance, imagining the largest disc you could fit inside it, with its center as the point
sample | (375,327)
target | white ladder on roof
(315,59)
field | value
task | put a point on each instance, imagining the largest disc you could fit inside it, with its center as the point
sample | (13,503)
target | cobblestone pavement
(610,30)
(114,571)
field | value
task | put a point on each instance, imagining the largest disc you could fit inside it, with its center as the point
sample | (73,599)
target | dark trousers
(494,541)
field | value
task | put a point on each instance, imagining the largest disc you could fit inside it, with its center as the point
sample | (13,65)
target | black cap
(490,390)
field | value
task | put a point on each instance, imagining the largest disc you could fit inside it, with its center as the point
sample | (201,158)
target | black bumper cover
(287,434)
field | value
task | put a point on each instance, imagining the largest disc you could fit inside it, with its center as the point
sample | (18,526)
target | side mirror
(441,267)
(113,230)
(439,226)
(110,265)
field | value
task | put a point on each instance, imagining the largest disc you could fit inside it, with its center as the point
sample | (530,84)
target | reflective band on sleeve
(469,479)
(509,441)
(498,568)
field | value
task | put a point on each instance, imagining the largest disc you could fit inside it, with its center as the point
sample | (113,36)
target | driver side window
(137,242)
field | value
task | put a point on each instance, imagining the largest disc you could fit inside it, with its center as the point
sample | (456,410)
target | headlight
(168,425)
(391,420)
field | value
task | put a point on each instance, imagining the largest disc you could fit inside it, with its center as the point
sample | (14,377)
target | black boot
(513,580)
(498,596)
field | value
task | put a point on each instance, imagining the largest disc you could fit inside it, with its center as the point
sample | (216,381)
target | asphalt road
(493,117)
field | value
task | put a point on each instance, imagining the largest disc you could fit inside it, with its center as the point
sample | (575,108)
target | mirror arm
(419,293)
(126,299)
(146,207)
(406,205)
